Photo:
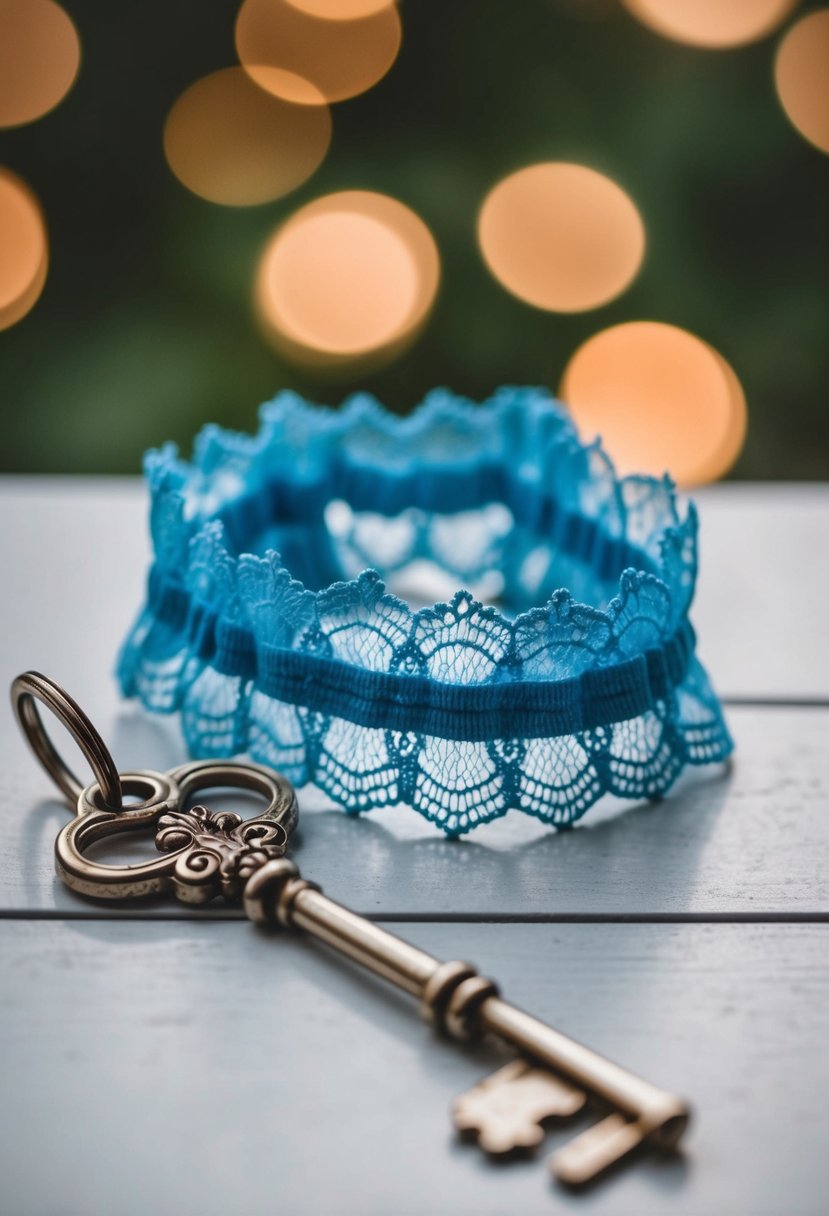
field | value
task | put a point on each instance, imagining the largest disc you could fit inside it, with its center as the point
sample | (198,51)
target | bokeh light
(801,73)
(230,142)
(711,23)
(300,57)
(661,399)
(340,10)
(24,249)
(349,274)
(561,236)
(39,58)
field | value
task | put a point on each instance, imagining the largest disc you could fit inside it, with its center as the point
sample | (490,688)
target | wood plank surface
(215,1069)
(763,582)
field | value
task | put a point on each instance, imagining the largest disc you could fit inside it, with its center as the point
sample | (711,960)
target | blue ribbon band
(414,703)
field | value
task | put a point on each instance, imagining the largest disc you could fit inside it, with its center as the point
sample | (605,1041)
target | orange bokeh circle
(801,73)
(24,249)
(661,399)
(340,10)
(230,142)
(712,24)
(561,236)
(39,59)
(349,274)
(303,58)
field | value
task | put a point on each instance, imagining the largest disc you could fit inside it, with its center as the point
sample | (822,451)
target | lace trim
(348,686)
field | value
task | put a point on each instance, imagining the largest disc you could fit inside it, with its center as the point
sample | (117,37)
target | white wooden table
(160,1060)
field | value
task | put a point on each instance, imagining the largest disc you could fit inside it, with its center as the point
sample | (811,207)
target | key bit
(595,1151)
(507,1111)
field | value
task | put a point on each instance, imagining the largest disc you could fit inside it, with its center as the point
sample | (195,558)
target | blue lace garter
(276,621)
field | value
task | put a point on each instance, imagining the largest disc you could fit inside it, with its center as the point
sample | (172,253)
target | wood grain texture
(215,1069)
(752,841)
(763,583)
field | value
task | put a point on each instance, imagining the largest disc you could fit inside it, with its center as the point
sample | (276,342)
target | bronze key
(206,854)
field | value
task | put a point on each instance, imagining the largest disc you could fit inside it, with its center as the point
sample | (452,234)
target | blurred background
(201,204)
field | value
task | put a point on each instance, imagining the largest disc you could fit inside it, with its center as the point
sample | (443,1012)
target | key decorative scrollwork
(224,851)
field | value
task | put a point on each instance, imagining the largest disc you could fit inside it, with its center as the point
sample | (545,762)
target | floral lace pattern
(272,623)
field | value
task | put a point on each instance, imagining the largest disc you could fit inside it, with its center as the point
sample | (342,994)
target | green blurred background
(145,331)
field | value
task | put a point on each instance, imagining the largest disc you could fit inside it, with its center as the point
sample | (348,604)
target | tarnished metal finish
(206,854)
(469,1004)
(26,691)
(199,775)
(596,1150)
(375,948)
(92,823)
(463,1012)
(506,1112)
(288,896)
(438,989)
(651,1116)
(263,890)
(216,854)
(620,1088)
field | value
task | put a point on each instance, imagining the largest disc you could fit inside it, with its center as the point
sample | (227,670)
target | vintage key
(207,854)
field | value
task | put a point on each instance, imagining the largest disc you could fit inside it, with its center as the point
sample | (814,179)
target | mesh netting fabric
(276,622)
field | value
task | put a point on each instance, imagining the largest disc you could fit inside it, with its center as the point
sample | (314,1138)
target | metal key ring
(31,687)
